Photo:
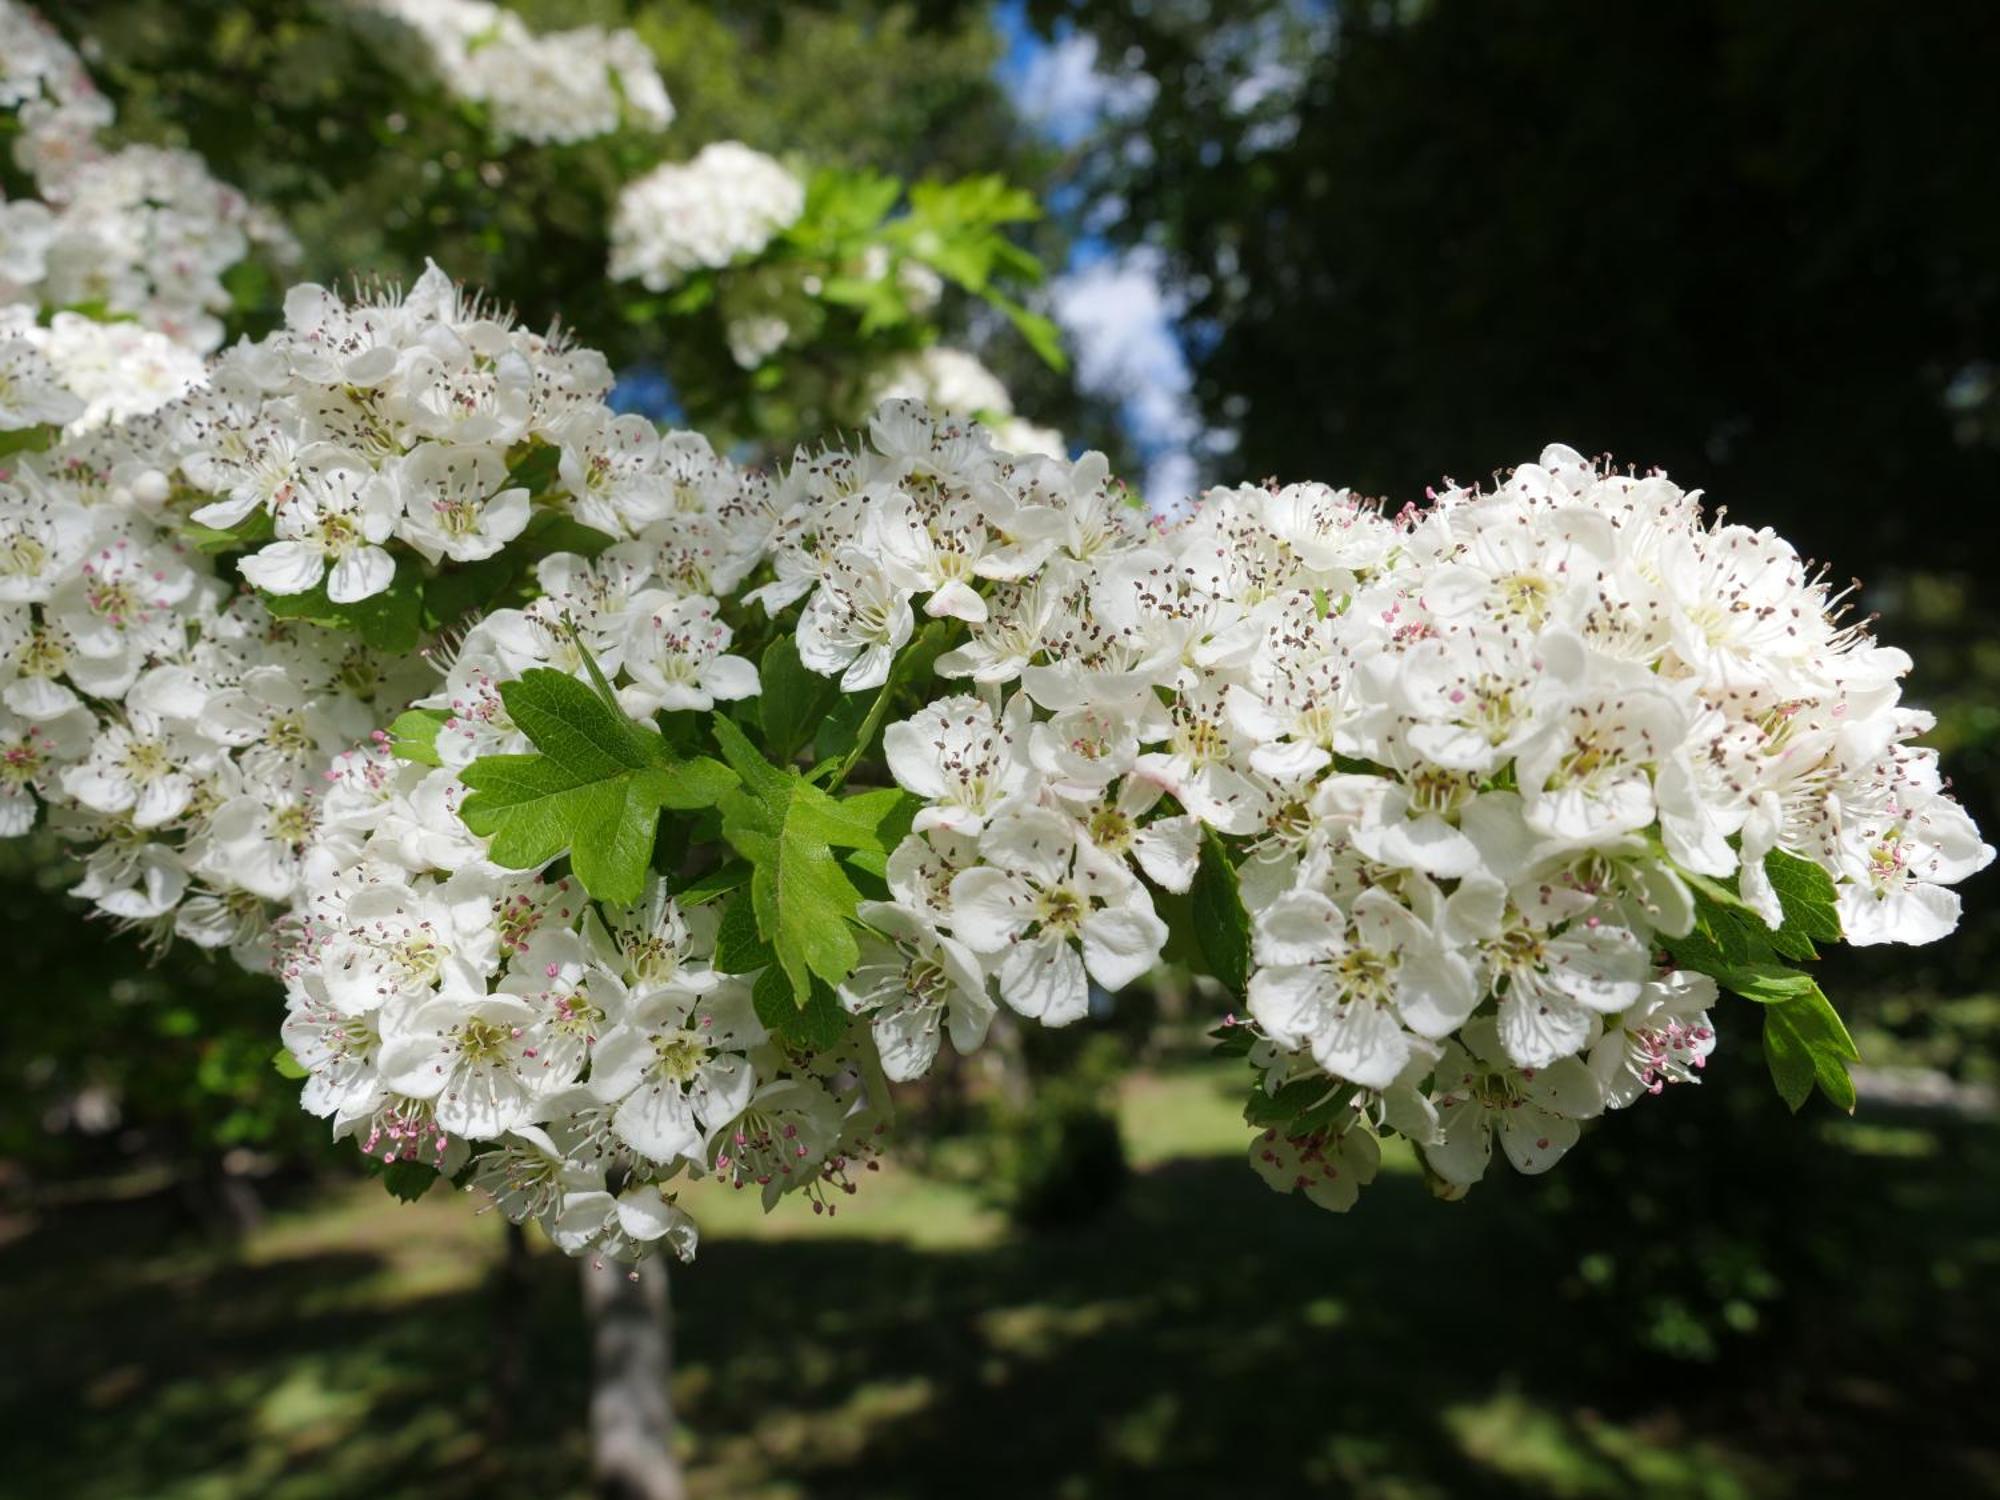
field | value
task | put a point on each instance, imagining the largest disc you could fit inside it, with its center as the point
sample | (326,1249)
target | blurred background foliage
(330,117)
(1756,244)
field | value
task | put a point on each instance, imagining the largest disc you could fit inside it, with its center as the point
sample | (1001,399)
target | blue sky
(1113,305)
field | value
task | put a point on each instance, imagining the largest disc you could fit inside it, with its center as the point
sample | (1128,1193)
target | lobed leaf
(1805,1045)
(596,789)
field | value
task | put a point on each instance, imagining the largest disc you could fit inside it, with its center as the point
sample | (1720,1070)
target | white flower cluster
(550,87)
(44,85)
(593,1052)
(141,232)
(358,427)
(1463,754)
(1466,753)
(955,383)
(725,204)
(184,735)
(82,373)
(1463,760)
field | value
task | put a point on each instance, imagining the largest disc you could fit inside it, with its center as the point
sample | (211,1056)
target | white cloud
(1120,321)
(1059,90)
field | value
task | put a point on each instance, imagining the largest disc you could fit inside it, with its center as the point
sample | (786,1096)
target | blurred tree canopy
(1754,243)
(313,109)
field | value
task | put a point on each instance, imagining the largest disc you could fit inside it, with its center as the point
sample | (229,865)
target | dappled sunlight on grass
(1578,1455)
(1203,1336)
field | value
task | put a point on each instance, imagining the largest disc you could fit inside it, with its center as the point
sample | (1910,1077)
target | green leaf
(389,621)
(595,790)
(692,298)
(716,883)
(1221,925)
(248,283)
(1233,1041)
(414,735)
(820,1024)
(788,829)
(408,1181)
(1301,1106)
(287,1065)
(879,301)
(842,207)
(1806,1045)
(1806,893)
(472,588)
(875,821)
(1769,983)
(759,776)
(801,897)
(1041,335)
(771,994)
(532,466)
(1728,933)
(1722,899)
(792,700)
(28,439)
(811,1027)
(253,530)
(840,729)
(738,948)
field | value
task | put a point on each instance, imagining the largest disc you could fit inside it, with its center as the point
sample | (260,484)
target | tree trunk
(631,1416)
(1005,1059)
(511,1295)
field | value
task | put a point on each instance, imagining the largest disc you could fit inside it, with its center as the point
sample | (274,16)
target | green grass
(1203,1337)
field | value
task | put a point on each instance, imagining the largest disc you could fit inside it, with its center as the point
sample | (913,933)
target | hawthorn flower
(341,1054)
(137,769)
(781,1139)
(477,1060)
(32,758)
(1560,979)
(1470,761)
(455,501)
(259,843)
(394,941)
(677,653)
(557,972)
(677,1066)
(1588,772)
(32,394)
(1534,1111)
(1199,765)
(1346,985)
(912,983)
(609,464)
(1035,903)
(651,945)
(122,605)
(528,1176)
(1664,1039)
(962,759)
(1330,1168)
(1119,825)
(724,205)
(627,1227)
(331,526)
(1899,857)
(857,621)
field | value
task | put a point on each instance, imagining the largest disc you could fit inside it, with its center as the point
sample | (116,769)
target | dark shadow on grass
(1204,1337)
